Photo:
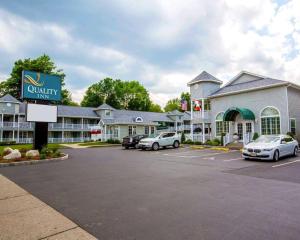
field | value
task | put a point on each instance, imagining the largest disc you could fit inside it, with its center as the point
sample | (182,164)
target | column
(82,130)
(63,127)
(18,136)
(105,133)
(203,123)
(2,127)
(191,131)
(14,119)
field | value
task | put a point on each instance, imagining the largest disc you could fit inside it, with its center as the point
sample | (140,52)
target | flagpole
(191,131)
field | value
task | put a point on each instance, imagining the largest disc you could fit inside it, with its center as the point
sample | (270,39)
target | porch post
(18,133)
(2,127)
(191,131)
(63,132)
(105,132)
(14,119)
(203,123)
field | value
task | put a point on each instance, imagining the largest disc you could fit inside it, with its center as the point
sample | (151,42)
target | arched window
(270,121)
(221,126)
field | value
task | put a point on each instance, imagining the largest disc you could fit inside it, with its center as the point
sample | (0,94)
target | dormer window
(8,104)
(107,113)
(139,119)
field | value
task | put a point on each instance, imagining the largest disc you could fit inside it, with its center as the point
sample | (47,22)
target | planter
(30,162)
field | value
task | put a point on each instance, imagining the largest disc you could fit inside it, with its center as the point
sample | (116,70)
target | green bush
(208,142)
(7,143)
(255,136)
(189,141)
(291,134)
(182,137)
(113,141)
(43,156)
(198,143)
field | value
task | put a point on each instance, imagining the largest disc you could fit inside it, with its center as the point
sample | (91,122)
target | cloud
(163,44)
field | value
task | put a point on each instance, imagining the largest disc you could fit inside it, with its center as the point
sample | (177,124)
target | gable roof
(260,83)
(204,77)
(241,73)
(9,98)
(174,113)
(105,106)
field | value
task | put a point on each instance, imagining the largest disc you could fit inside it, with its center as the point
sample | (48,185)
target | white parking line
(283,164)
(190,156)
(234,159)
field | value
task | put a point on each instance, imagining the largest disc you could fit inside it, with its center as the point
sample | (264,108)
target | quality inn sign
(41,86)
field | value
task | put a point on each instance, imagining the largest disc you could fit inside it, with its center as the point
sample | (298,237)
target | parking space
(169,194)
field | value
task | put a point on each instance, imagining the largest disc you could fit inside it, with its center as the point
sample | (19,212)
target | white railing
(68,140)
(198,137)
(226,139)
(74,126)
(109,136)
(20,140)
(201,115)
(247,138)
(21,125)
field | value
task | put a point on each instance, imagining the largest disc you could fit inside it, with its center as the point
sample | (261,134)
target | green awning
(231,113)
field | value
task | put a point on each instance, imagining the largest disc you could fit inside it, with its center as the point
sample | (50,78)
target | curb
(211,148)
(109,145)
(31,162)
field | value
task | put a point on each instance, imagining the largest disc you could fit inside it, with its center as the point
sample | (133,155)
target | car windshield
(267,139)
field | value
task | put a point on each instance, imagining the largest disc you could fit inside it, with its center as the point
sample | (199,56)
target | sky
(161,43)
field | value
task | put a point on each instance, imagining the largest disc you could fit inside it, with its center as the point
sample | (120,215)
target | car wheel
(295,152)
(155,146)
(276,156)
(176,144)
(246,159)
(136,146)
(126,147)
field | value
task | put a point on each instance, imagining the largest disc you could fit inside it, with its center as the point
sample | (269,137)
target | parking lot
(169,194)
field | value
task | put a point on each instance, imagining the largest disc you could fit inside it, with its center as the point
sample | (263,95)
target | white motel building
(247,104)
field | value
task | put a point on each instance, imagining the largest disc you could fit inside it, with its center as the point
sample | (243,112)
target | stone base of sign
(30,162)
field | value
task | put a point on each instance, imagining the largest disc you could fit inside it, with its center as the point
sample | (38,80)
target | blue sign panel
(41,86)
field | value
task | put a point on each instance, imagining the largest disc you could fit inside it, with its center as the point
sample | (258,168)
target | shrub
(208,142)
(7,143)
(291,134)
(43,156)
(197,143)
(113,141)
(182,137)
(189,141)
(255,136)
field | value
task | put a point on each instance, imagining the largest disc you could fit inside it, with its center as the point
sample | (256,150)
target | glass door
(240,130)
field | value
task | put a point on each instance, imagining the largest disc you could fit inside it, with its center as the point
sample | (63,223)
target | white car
(270,147)
(160,140)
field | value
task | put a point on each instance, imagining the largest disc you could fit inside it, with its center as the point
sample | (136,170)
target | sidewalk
(23,216)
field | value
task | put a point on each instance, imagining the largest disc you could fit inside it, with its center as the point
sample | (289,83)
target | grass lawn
(28,146)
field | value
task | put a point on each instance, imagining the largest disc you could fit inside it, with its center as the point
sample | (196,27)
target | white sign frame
(41,113)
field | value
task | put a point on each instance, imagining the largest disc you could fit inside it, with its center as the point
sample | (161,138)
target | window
(131,130)
(139,119)
(147,130)
(152,130)
(293,126)
(107,113)
(207,104)
(248,127)
(221,126)
(270,121)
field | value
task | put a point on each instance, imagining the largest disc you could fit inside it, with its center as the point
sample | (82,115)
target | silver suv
(154,142)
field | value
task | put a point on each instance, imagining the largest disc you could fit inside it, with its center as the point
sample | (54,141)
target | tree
(155,108)
(42,64)
(118,94)
(173,104)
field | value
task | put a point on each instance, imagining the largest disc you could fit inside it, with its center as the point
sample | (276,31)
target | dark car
(132,141)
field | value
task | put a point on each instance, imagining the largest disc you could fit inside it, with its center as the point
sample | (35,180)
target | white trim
(214,81)
(248,90)
(260,117)
(240,74)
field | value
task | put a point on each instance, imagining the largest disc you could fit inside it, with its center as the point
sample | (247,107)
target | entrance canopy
(231,113)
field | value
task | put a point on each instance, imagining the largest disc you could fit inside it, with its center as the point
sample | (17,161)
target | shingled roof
(9,98)
(204,77)
(246,86)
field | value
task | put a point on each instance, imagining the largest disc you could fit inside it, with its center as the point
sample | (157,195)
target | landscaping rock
(15,154)
(7,150)
(32,153)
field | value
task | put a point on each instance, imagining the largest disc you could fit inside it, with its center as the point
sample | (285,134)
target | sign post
(42,88)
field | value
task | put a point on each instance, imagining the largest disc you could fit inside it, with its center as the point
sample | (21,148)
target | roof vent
(139,119)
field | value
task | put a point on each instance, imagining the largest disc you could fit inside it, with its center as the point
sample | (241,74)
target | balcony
(201,116)
(17,125)
(71,126)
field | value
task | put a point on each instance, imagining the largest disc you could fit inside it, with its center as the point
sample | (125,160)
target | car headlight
(268,149)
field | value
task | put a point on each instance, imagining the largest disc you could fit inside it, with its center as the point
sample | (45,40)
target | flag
(197,105)
(184,105)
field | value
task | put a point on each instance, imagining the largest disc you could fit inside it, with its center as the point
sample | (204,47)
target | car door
(284,147)
(163,140)
(291,145)
(171,138)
